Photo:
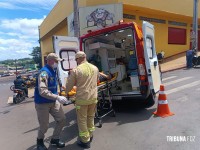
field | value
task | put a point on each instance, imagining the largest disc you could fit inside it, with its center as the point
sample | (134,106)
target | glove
(62,100)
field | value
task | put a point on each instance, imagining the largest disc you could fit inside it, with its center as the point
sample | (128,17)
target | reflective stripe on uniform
(162,102)
(91,129)
(78,107)
(86,102)
(85,134)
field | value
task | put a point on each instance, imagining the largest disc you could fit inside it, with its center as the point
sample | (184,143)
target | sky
(19,21)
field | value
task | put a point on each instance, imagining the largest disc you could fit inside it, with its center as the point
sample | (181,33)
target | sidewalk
(173,63)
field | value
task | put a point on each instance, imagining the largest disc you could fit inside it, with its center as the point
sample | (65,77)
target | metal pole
(40,64)
(76,19)
(195,25)
(16,68)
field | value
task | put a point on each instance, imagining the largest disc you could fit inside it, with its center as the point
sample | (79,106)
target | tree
(36,53)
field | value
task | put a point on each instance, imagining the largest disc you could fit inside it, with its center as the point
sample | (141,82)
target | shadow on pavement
(70,131)
(129,112)
(126,112)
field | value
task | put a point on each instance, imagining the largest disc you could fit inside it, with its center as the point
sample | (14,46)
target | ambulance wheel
(150,101)
(14,101)
(100,123)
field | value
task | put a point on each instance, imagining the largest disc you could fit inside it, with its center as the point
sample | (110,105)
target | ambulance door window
(69,59)
(149,45)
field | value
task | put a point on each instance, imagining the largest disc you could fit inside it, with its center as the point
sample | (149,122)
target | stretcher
(104,104)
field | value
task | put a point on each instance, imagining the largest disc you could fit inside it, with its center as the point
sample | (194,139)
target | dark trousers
(189,61)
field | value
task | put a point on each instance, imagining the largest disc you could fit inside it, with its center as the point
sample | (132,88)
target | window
(149,45)
(69,59)
(176,36)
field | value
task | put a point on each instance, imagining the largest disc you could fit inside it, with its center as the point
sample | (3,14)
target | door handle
(155,63)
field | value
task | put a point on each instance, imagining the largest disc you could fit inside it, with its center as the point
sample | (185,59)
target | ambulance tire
(100,123)
(150,101)
(113,114)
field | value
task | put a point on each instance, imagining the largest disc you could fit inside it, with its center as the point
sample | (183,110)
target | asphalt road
(132,128)
(5,83)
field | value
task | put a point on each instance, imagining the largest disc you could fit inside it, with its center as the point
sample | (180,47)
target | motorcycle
(18,96)
(196,61)
(30,83)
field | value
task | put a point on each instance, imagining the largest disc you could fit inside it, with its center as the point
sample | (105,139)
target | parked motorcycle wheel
(12,87)
(19,98)
(16,99)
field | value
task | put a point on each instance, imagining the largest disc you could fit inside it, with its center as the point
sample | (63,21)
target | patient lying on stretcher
(104,77)
(102,80)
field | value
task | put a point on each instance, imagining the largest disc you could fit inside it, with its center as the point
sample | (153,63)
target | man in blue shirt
(48,102)
(189,58)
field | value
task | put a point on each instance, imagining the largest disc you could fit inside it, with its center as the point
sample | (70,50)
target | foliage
(36,53)
(18,62)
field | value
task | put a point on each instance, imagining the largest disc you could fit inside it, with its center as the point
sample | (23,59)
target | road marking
(178,80)
(183,99)
(183,87)
(169,78)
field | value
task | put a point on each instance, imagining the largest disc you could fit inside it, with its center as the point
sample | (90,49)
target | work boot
(91,138)
(40,145)
(58,143)
(83,145)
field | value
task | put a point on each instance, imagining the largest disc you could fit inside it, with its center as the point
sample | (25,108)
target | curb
(164,71)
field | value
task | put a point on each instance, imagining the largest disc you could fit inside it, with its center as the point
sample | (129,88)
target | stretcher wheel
(100,123)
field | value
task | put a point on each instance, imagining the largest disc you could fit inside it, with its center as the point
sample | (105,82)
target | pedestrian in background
(21,84)
(189,57)
(84,77)
(48,102)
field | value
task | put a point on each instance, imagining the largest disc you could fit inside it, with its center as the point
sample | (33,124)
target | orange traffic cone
(163,108)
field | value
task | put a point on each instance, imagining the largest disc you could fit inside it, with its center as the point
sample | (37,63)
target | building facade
(172,21)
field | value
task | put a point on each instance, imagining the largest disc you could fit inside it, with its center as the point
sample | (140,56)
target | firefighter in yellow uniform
(84,77)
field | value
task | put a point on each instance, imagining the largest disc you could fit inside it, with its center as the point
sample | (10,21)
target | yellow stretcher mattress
(112,79)
(73,91)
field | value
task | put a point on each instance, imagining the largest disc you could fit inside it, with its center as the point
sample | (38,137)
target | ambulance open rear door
(151,60)
(65,48)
